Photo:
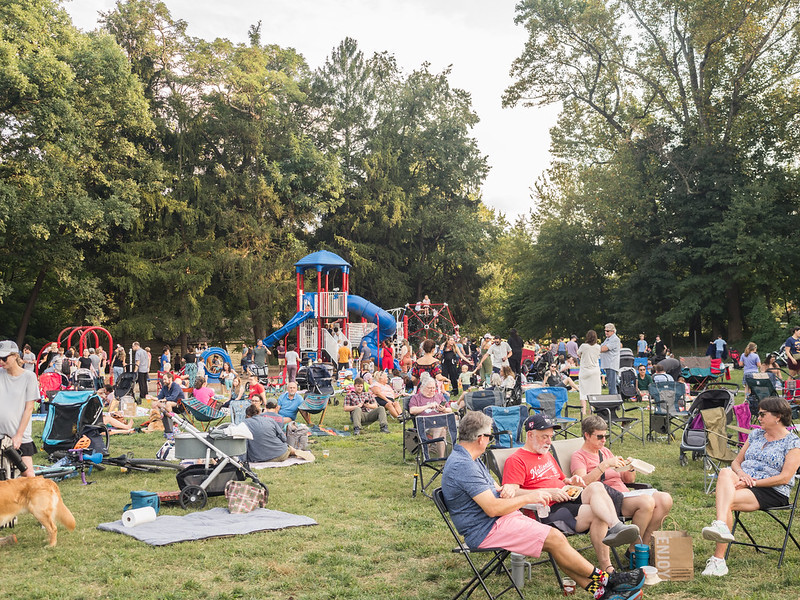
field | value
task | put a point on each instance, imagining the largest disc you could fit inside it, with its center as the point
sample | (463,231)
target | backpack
(297,436)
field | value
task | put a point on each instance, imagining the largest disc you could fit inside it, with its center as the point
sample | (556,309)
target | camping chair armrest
(503,432)
(565,409)
(639,486)
(432,441)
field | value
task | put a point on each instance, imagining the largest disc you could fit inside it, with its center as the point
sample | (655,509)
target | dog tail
(64,515)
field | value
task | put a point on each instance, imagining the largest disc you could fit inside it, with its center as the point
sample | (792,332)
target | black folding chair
(774,514)
(495,564)
(612,408)
(480,399)
(666,418)
(434,450)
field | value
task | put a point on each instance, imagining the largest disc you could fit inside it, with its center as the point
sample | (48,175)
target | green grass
(373,540)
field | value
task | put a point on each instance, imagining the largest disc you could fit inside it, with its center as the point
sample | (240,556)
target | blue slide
(357,305)
(387,326)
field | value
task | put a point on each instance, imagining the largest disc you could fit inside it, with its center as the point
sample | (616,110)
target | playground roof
(322,260)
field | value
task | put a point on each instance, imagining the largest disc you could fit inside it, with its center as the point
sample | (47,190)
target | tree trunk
(735,332)
(184,343)
(26,316)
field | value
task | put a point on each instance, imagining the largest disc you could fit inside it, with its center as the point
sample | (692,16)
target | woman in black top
(516,343)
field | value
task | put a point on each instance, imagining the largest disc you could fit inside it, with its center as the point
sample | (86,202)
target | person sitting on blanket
(113,418)
(269,440)
(595,462)
(532,467)
(488,515)
(363,408)
(271,411)
(169,399)
(289,402)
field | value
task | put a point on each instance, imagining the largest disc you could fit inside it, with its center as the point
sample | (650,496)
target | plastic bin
(188,446)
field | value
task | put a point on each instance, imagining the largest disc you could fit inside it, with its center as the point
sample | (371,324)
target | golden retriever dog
(39,497)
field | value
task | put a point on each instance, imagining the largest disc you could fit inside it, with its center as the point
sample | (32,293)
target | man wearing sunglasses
(19,389)
(609,360)
(532,467)
(488,516)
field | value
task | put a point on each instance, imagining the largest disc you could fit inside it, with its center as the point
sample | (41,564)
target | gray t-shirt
(141,358)
(96,361)
(268,441)
(462,480)
(30,361)
(15,392)
(260,355)
(610,358)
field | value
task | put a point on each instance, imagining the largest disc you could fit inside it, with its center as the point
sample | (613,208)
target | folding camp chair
(667,398)
(495,564)
(719,452)
(608,406)
(205,414)
(761,387)
(773,513)
(437,435)
(552,401)
(495,459)
(238,408)
(507,422)
(480,399)
(314,404)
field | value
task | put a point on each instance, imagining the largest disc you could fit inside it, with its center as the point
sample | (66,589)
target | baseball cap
(538,421)
(488,336)
(8,347)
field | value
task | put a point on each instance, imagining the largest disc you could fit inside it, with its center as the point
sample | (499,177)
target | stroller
(627,374)
(198,482)
(316,379)
(82,380)
(694,433)
(540,367)
(69,413)
(123,386)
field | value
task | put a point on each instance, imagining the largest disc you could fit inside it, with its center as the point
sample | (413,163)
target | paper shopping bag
(673,555)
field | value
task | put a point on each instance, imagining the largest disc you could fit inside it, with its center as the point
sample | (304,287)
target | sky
(477,38)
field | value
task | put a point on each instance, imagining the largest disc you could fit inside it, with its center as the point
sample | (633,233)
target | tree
(672,92)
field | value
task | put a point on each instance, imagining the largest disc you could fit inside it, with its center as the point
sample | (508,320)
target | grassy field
(373,540)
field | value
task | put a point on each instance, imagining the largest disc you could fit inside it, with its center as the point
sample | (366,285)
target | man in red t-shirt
(256,390)
(532,467)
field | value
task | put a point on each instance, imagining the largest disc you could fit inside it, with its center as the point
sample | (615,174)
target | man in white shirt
(19,389)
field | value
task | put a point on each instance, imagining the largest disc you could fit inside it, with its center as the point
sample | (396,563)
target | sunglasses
(488,436)
(601,436)
(763,413)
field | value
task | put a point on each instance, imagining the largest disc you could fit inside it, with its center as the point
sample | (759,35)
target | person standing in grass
(760,477)
(750,363)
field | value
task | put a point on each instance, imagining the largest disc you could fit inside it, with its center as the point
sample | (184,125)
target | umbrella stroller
(694,436)
(198,482)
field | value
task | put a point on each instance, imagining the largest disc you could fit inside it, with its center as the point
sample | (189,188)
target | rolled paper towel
(137,516)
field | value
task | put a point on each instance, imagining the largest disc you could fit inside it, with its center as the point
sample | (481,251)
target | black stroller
(317,379)
(540,367)
(627,374)
(694,433)
(123,386)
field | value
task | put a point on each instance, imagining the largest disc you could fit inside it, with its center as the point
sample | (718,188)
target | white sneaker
(718,532)
(715,567)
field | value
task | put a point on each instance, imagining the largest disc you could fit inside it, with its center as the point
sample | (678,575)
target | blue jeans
(611,378)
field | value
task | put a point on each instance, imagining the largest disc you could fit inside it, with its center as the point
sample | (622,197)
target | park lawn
(373,540)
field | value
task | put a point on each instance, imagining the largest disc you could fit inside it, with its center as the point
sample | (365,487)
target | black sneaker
(385,429)
(356,431)
(624,585)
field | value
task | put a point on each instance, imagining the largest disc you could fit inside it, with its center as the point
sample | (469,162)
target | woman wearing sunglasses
(595,462)
(760,477)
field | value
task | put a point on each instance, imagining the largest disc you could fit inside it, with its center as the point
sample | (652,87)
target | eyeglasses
(763,413)
(601,436)
(488,436)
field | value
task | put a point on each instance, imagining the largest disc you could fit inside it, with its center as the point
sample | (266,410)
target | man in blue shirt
(488,516)
(169,398)
(289,402)
(720,344)
(792,352)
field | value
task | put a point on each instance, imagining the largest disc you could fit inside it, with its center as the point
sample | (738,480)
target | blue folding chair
(552,401)
(640,362)
(507,422)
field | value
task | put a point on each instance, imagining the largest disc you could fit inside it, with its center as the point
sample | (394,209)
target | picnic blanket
(217,522)
(317,430)
(292,460)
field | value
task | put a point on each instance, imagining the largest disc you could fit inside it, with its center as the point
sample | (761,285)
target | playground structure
(332,304)
(427,321)
(84,331)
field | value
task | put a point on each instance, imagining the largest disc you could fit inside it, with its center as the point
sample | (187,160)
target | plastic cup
(568,586)
(326,453)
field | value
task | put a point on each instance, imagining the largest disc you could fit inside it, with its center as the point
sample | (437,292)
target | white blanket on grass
(217,522)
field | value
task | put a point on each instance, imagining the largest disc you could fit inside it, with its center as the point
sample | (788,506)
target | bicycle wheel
(152,464)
